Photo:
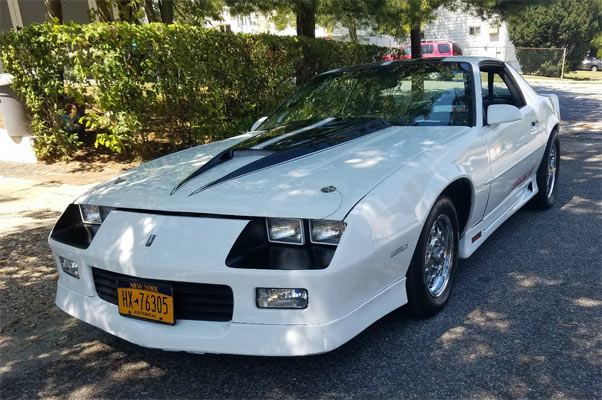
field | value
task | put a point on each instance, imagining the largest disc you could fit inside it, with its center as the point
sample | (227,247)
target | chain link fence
(527,60)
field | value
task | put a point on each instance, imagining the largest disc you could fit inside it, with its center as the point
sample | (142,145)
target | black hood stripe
(307,141)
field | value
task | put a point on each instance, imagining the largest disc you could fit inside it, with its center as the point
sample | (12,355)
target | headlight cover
(90,214)
(285,230)
(326,232)
(93,214)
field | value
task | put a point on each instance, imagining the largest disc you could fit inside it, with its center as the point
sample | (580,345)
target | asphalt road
(524,320)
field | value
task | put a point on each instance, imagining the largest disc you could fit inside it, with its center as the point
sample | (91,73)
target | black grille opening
(192,301)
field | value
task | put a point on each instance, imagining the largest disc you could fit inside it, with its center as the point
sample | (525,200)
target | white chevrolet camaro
(354,197)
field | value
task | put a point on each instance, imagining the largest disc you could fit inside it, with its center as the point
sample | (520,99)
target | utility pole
(563,60)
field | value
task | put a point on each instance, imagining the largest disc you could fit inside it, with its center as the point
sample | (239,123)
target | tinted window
(420,94)
(444,48)
(457,50)
(427,49)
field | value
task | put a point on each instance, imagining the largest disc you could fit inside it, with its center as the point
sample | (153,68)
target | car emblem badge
(150,240)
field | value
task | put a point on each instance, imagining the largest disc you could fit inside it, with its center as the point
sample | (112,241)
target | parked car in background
(591,64)
(430,48)
(354,197)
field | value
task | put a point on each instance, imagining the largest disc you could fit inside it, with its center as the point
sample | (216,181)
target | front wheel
(594,68)
(431,274)
(547,175)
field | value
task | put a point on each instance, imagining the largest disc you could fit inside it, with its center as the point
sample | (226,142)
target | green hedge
(540,62)
(178,85)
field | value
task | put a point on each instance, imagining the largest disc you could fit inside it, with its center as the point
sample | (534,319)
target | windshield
(419,94)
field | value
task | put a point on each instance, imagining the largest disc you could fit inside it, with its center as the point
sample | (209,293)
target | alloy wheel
(439,256)
(551,170)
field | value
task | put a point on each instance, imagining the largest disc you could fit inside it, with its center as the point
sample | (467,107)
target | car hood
(305,170)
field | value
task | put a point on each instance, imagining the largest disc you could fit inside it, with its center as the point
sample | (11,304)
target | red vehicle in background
(430,48)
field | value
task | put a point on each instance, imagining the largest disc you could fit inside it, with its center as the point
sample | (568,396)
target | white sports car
(354,197)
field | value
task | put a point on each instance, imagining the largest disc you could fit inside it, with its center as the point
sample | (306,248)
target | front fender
(396,210)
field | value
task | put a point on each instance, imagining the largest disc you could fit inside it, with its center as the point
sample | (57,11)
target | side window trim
(496,67)
(517,94)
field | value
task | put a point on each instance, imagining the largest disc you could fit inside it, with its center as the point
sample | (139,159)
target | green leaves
(569,24)
(142,85)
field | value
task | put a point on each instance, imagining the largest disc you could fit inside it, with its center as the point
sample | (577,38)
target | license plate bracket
(148,301)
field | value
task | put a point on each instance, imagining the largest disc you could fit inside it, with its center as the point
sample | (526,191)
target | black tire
(421,302)
(544,198)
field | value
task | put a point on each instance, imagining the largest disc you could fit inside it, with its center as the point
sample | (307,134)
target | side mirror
(501,113)
(257,123)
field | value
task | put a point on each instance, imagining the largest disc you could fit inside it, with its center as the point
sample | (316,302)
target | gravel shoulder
(524,320)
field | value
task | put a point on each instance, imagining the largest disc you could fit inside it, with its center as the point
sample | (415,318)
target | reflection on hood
(285,143)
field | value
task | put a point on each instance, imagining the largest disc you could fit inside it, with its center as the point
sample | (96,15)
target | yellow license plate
(148,301)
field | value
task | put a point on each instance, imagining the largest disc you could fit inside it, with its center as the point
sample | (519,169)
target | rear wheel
(431,274)
(594,68)
(547,175)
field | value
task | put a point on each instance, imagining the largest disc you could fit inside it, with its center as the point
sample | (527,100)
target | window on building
(474,30)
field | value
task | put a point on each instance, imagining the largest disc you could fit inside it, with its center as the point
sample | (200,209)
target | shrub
(543,62)
(176,84)
(568,24)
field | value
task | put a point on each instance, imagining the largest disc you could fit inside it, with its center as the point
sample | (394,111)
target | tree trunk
(54,10)
(417,78)
(127,11)
(166,7)
(150,11)
(352,27)
(306,26)
(416,39)
(104,12)
(306,18)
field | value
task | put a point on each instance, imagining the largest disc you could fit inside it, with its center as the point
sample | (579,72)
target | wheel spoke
(439,255)
(551,170)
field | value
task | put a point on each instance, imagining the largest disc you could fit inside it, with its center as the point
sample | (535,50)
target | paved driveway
(524,319)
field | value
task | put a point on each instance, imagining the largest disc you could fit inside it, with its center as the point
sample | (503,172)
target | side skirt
(476,236)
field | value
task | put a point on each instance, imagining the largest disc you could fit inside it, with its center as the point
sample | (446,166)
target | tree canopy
(570,24)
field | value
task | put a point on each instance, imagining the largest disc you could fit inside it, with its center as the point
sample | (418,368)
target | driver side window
(495,90)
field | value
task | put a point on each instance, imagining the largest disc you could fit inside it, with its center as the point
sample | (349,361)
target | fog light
(69,267)
(281,298)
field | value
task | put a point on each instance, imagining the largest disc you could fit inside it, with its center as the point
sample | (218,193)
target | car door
(512,146)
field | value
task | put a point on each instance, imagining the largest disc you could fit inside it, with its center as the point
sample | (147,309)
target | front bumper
(344,298)
(231,337)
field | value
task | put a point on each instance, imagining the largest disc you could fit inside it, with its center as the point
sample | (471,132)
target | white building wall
(486,38)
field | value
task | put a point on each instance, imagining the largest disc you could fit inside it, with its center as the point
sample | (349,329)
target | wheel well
(460,193)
